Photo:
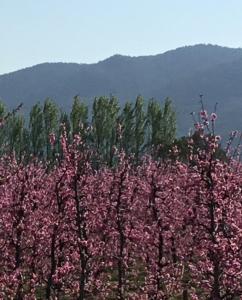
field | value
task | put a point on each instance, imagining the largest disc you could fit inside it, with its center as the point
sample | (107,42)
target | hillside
(181,74)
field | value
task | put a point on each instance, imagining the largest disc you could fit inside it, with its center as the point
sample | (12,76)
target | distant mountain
(181,74)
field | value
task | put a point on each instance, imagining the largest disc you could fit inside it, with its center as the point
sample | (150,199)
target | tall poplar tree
(104,121)
(36,128)
(16,135)
(79,117)
(127,128)
(3,129)
(160,127)
(168,125)
(139,127)
(51,124)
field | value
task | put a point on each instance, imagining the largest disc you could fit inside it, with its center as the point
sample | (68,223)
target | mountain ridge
(181,74)
(126,56)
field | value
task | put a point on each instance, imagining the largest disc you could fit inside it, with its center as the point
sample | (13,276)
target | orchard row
(157,230)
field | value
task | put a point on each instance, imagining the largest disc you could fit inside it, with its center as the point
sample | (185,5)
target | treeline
(136,128)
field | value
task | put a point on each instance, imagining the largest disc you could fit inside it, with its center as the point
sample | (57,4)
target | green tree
(168,119)
(3,129)
(36,128)
(51,124)
(153,127)
(79,117)
(127,128)
(139,127)
(2,110)
(161,127)
(16,136)
(65,125)
(104,121)
(26,149)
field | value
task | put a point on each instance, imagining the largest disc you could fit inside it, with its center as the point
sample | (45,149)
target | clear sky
(86,31)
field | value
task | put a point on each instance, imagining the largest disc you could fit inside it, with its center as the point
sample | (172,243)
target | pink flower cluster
(154,231)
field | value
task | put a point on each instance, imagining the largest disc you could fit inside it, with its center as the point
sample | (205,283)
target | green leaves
(104,122)
(161,127)
(51,124)
(36,127)
(108,129)
(79,116)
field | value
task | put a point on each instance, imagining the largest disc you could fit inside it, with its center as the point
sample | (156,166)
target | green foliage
(3,131)
(126,122)
(16,135)
(139,127)
(132,129)
(51,124)
(168,123)
(161,128)
(2,110)
(153,126)
(104,122)
(36,128)
(198,143)
(65,125)
(79,116)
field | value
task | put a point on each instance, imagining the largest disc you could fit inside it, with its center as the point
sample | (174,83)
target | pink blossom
(204,114)
(213,117)
(52,139)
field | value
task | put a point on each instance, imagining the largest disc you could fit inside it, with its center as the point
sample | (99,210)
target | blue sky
(36,31)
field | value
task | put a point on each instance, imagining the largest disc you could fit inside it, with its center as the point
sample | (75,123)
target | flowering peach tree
(158,230)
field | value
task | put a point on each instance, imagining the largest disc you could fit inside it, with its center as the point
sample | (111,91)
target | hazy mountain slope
(182,74)
(222,84)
